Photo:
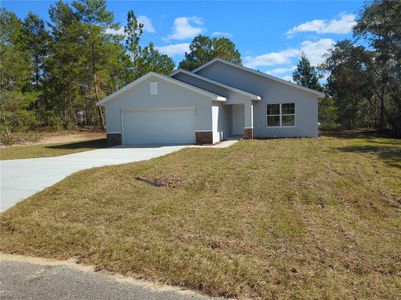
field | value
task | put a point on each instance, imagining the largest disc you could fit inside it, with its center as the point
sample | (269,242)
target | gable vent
(154,88)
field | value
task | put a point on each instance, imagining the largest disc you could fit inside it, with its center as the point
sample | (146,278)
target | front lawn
(54,149)
(287,218)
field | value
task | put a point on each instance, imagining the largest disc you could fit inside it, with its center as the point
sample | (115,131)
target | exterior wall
(225,122)
(169,96)
(238,120)
(306,104)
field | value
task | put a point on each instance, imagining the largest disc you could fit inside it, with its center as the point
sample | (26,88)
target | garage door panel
(167,126)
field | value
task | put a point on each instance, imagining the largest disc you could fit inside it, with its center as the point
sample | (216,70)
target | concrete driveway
(22,178)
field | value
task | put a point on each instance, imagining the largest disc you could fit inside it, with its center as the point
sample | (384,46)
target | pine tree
(306,75)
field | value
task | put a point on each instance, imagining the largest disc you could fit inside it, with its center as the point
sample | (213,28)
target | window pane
(288,120)
(273,121)
(273,109)
(288,108)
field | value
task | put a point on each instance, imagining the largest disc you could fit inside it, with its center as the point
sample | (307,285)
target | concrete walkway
(35,278)
(21,178)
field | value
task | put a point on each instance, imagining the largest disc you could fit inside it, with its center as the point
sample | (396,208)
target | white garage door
(159,126)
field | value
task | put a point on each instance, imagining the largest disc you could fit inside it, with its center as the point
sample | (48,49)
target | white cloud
(174,49)
(338,26)
(314,51)
(147,24)
(271,58)
(223,34)
(278,71)
(118,31)
(186,28)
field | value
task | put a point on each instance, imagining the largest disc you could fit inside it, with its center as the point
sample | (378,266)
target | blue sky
(269,34)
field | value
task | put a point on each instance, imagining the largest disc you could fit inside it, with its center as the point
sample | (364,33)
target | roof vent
(153,88)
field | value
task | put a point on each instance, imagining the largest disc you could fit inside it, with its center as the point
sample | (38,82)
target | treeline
(364,74)
(53,73)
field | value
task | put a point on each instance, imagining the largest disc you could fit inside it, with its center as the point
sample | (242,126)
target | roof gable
(138,81)
(264,75)
(252,96)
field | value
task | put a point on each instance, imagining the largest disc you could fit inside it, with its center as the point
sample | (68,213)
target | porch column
(248,130)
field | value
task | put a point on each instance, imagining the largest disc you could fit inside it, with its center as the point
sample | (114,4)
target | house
(216,101)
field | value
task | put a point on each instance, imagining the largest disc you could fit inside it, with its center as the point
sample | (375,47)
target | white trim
(319,94)
(280,115)
(204,130)
(253,96)
(213,96)
(248,127)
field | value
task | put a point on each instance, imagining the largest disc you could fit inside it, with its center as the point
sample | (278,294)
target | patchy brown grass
(288,218)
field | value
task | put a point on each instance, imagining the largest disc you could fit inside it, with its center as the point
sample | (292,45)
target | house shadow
(389,154)
(91,144)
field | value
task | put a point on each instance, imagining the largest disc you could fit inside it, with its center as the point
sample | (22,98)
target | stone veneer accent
(248,133)
(204,137)
(113,139)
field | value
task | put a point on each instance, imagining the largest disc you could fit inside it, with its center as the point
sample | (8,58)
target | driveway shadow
(91,144)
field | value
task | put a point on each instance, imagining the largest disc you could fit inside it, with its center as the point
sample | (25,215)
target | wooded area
(53,73)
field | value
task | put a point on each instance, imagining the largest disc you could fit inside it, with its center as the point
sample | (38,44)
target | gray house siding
(306,104)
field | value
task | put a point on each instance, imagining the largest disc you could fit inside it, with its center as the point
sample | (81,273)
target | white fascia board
(252,96)
(165,78)
(319,94)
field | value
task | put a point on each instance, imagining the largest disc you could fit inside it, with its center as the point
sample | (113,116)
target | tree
(204,49)
(146,59)
(15,79)
(306,75)
(62,86)
(34,38)
(150,59)
(380,24)
(97,53)
(349,83)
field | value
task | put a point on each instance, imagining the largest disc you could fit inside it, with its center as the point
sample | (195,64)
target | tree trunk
(382,112)
(95,83)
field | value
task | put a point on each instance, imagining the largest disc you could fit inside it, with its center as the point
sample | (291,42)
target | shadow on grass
(91,144)
(390,155)
(358,133)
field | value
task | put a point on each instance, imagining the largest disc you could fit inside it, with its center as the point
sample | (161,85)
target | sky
(270,35)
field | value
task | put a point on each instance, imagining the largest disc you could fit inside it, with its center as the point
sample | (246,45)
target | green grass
(46,150)
(286,218)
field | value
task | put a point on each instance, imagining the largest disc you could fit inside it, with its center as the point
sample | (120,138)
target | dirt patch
(53,138)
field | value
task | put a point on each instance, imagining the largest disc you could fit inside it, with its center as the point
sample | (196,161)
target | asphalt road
(24,280)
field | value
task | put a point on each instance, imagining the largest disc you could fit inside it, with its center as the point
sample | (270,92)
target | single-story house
(214,102)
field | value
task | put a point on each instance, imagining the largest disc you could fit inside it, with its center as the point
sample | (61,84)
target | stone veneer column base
(113,139)
(204,137)
(248,133)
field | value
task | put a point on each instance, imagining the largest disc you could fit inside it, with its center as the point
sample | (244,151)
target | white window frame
(281,115)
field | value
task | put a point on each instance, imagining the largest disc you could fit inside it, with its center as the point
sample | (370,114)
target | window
(281,115)
(154,89)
